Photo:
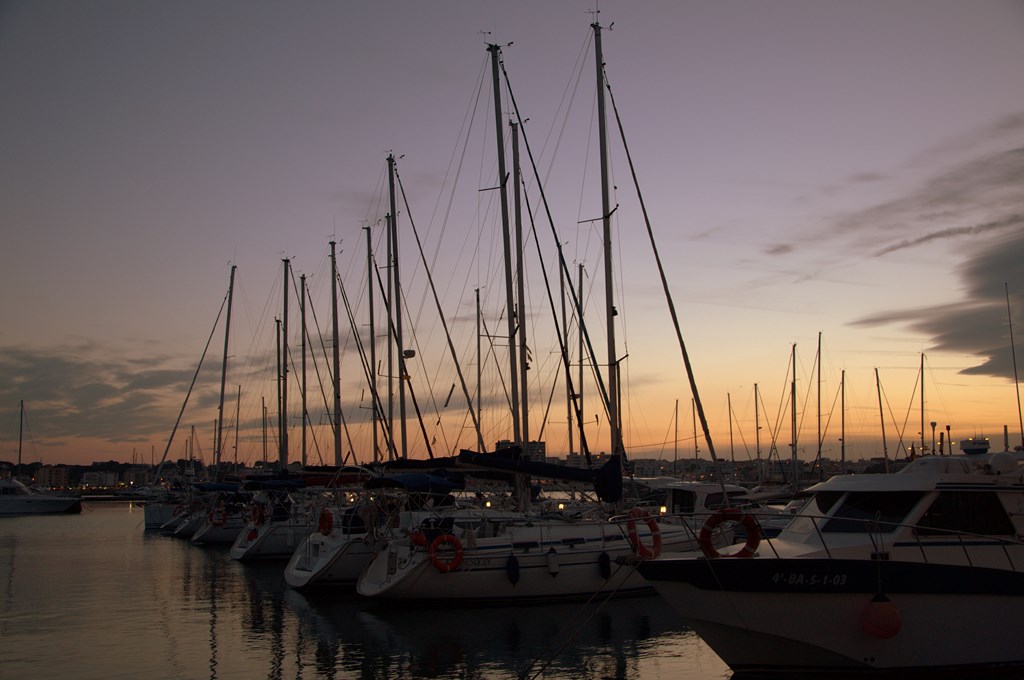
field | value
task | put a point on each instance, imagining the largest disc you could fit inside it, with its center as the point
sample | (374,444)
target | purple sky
(853,169)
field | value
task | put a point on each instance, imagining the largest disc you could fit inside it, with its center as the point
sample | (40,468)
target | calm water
(94,596)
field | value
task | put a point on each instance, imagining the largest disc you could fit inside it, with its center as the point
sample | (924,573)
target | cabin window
(683,501)
(714,500)
(875,511)
(966,512)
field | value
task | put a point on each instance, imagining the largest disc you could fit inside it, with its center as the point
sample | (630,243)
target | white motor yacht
(18,499)
(919,571)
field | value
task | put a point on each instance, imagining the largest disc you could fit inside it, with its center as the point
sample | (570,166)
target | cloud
(977,208)
(84,390)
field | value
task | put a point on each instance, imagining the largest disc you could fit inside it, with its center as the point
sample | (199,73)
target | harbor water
(95,596)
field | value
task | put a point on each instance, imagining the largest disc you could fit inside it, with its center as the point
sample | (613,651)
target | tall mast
(675,444)
(568,369)
(881,413)
(397,305)
(606,220)
(336,357)
(922,404)
(479,374)
(495,50)
(302,333)
(21,425)
(521,288)
(284,371)
(842,423)
(1013,353)
(732,450)
(238,416)
(792,395)
(579,324)
(223,377)
(757,436)
(373,340)
(818,459)
(277,328)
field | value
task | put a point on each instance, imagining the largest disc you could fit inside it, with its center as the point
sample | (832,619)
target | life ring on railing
(326,522)
(749,523)
(440,563)
(259,514)
(218,516)
(639,548)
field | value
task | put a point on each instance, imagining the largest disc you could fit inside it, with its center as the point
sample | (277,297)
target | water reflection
(338,633)
(122,604)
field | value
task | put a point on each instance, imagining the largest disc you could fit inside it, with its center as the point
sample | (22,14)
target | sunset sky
(848,169)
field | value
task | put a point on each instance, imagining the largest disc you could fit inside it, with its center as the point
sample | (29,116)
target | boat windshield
(874,511)
(969,512)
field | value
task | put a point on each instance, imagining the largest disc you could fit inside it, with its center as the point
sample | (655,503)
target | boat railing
(885,536)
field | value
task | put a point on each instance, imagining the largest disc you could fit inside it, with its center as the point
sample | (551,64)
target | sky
(834,173)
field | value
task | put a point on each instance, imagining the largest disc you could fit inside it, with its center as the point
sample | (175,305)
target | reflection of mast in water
(9,544)
(213,619)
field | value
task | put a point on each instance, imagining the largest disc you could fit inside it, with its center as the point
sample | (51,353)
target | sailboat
(18,499)
(566,550)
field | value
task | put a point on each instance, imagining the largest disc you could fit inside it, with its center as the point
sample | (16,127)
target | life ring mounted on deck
(326,522)
(218,516)
(442,565)
(749,524)
(259,514)
(639,547)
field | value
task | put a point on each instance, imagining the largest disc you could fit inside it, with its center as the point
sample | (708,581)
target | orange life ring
(749,523)
(639,548)
(218,516)
(326,522)
(259,515)
(440,564)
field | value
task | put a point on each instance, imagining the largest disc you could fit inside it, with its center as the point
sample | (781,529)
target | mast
(818,458)
(238,415)
(675,443)
(336,357)
(397,305)
(881,413)
(495,50)
(277,328)
(579,324)
(842,423)
(732,451)
(606,220)
(521,288)
(302,280)
(21,425)
(568,369)
(792,396)
(373,342)
(757,436)
(479,374)
(922,404)
(1013,352)
(283,455)
(223,376)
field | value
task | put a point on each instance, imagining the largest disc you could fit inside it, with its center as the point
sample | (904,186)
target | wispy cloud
(976,206)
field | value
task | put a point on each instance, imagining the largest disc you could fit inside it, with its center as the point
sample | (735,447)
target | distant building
(54,476)
(99,480)
(535,451)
